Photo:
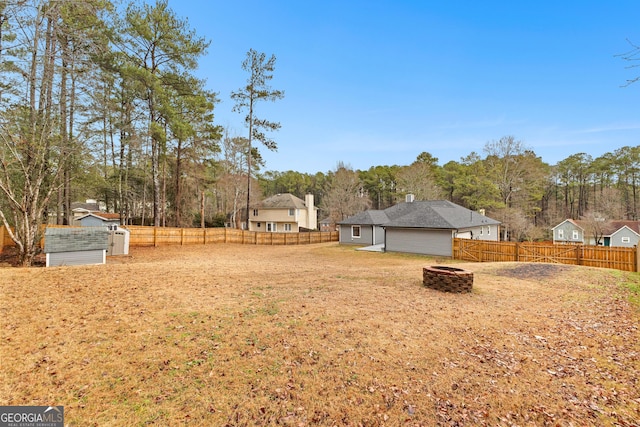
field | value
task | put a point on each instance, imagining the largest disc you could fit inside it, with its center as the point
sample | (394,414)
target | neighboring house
(81,209)
(623,233)
(423,227)
(284,213)
(98,219)
(327,224)
(569,231)
(605,233)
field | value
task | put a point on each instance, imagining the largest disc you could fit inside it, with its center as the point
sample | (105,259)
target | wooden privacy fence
(5,240)
(626,259)
(160,236)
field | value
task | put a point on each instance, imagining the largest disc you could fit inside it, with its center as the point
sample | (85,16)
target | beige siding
(282,217)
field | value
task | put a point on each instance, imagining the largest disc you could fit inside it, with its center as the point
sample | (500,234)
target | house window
(287,227)
(255,212)
(292,212)
(258,225)
(271,226)
(355,231)
(576,235)
(481,230)
(488,230)
(561,234)
(625,240)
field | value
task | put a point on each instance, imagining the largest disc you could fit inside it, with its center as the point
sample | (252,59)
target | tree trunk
(178,191)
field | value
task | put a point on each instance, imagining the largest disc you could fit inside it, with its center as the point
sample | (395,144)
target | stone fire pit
(447,279)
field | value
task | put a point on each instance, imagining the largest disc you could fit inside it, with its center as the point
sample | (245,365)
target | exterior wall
(567,228)
(76,258)
(616,238)
(92,221)
(304,221)
(280,227)
(310,214)
(419,241)
(366,235)
(277,216)
(281,217)
(485,232)
(379,235)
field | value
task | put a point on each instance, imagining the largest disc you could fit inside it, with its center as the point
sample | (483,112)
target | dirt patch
(9,257)
(537,271)
(317,335)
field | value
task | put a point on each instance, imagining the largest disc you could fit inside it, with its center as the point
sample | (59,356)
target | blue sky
(374,83)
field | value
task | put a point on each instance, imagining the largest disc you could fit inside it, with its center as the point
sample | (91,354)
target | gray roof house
(364,228)
(422,227)
(620,233)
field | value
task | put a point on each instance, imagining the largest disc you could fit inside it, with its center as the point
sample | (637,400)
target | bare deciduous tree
(344,195)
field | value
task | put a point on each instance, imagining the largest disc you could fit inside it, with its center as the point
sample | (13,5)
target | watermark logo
(31,416)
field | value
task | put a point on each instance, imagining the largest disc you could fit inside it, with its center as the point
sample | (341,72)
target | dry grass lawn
(319,335)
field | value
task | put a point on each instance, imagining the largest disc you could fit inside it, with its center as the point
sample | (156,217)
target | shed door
(117,243)
(419,241)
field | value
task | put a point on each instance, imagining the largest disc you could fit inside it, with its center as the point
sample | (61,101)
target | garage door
(428,242)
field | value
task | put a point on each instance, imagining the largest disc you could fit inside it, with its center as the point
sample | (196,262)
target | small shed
(118,241)
(97,220)
(76,246)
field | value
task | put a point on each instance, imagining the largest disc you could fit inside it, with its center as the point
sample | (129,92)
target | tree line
(508,181)
(101,101)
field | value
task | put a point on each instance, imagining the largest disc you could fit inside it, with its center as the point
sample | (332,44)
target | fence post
(155,237)
(578,254)
(182,237)
(517,254)
(637,258)
(1,238)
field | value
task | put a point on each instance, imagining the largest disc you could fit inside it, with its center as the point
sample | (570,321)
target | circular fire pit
(447,279)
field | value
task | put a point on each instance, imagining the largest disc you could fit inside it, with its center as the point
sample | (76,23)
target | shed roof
(75,239)
(104,216)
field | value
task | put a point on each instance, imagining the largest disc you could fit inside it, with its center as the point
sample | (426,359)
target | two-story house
(284,213)
(604,233)
(569,231)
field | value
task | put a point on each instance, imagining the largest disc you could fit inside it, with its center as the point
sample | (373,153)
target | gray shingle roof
(439,214)
(370,217)
(282,201)
(92,207)
(607,228)
(75,239)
